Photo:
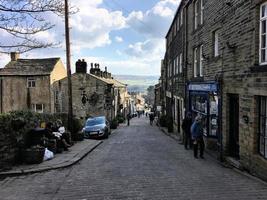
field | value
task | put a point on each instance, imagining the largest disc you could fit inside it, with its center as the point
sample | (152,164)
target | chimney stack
(81,66)
(14,56)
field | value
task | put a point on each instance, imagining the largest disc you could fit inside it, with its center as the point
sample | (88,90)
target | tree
(23,19)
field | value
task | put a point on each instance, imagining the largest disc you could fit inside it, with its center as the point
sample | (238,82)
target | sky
(127,36)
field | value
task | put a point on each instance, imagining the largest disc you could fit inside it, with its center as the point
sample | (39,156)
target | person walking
(186,125)
(151,118)
(128,119)
(197,136)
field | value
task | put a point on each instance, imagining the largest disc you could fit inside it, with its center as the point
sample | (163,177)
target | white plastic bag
(48,155)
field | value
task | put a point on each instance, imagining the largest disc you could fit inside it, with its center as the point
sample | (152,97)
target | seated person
(60,138)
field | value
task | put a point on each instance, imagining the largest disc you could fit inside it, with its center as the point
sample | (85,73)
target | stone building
(157,101)
(226,77)
(25,84)
(93,94)
(174,70)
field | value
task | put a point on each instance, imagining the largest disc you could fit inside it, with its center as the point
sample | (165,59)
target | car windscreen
(95,121)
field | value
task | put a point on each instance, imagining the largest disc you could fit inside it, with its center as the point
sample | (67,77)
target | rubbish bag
(48,155)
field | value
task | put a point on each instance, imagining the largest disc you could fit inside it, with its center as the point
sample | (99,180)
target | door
(233,125)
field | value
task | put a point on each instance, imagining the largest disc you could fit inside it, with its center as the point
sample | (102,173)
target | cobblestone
(137,162)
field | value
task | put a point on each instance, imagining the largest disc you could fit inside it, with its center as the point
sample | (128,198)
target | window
(262,126)
(195,62)
(170,69)
(263,36)
(39,108)
(174,67)
(201,61)
(175,28)
(198,11)
(177,65)
(181,63)
(181,18)
(216,43)
(31,82)
(201,12)
(56,95)
(177,23)
(198,61)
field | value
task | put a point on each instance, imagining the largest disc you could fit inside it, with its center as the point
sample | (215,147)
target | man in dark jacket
(197,136)
(186,125)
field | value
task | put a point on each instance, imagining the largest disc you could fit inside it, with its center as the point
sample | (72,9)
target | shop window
(199,104)
(262,126)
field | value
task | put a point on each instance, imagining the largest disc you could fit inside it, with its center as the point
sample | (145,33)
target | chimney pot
(14,56)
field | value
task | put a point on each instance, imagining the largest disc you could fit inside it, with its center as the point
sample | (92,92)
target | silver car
(96,127)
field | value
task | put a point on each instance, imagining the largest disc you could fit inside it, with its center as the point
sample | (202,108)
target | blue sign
(209,87)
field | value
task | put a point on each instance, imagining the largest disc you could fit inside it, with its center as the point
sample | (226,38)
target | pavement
(61,160)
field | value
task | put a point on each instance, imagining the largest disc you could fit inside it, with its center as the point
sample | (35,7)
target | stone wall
(95,92)
(12,137)
(238,27)
(16,95)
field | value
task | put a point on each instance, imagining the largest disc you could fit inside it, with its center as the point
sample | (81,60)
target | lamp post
(67,40)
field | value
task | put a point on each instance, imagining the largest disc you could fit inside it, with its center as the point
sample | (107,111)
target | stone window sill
(259,68)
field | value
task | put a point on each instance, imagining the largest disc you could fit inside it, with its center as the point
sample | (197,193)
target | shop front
(204,101)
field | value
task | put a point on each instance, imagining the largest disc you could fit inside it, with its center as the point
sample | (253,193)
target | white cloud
(151,49)
(92,25)
(4,59)
(118,39)
(156,21)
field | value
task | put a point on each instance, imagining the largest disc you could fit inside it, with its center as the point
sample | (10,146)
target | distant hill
(137,83)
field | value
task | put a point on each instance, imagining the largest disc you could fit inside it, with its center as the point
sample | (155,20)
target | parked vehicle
(96,127)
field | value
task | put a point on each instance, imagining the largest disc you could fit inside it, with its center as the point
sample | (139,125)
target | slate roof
(114,82)
(28,67)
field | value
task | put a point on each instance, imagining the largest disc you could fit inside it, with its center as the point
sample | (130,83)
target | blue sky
(127,36)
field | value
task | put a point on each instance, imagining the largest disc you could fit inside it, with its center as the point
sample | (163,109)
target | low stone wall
(13,127)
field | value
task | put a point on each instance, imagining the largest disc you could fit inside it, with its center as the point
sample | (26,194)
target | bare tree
(21,20)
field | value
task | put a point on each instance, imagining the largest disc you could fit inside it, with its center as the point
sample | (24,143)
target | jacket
(196,130)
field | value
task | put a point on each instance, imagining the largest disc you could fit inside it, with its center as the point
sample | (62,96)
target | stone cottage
(25,84)
(93,94)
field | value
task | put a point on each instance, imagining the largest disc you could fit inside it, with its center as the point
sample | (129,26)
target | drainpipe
(220,99)
(1,94)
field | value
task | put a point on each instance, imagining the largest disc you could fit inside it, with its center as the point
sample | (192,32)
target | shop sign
(203,87)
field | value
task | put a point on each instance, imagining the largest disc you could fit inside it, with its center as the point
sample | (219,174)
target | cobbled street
(137,162)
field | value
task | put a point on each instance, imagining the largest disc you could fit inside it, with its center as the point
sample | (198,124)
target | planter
(79,136)
(33,155)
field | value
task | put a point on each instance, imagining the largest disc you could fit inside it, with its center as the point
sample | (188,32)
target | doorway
(233,100)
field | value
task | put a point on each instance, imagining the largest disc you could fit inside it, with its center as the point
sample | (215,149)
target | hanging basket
(33,155)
